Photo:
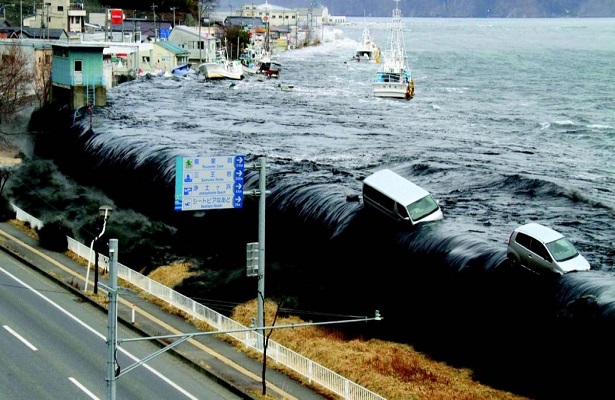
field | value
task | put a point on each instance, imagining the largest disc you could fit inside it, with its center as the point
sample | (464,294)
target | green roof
(172,47)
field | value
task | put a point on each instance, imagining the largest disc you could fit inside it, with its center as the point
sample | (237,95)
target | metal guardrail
(313,372)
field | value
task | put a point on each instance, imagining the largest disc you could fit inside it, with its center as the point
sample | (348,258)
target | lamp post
(103,213)
(173,9)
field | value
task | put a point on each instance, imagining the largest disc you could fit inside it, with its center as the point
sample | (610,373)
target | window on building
(78,66)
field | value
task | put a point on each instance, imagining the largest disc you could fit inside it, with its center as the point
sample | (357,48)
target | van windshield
(422,208)
(562,250)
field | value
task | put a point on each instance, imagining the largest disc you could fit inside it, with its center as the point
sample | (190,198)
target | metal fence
(313,372)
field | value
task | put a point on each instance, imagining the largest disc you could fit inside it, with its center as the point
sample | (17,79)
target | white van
(399,198)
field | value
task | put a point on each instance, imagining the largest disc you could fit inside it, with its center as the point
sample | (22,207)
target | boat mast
(397,39)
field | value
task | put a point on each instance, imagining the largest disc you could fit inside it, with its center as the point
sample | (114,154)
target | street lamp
(103,213)
(173,8)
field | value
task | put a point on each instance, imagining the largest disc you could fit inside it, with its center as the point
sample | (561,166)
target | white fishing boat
(367,49)
(394,77)
(222,67)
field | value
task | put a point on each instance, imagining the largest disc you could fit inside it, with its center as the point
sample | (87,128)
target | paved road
(53,346)
(218,359)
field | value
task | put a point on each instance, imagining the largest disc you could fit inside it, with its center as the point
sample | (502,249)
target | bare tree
(41,73)
(15,82)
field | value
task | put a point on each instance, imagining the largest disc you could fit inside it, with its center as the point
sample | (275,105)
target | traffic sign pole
(261,248)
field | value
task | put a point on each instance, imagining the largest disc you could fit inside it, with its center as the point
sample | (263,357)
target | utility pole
(261,246)
(107,23)
(173,9)
(42,18)
(113,373)
(200,38)
(154,12)
(47,22)
(112,321)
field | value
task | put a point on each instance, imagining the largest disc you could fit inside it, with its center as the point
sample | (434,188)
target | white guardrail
(313,372)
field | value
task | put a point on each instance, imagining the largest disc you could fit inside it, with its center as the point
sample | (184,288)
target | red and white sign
(265,18)
(117,16)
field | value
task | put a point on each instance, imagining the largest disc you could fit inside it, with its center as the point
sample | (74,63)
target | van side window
(378,197)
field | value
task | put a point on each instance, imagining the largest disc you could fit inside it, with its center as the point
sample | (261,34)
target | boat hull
(219,71)
(394,90)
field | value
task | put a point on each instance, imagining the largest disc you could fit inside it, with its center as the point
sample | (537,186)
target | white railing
(313,372)
(24,216)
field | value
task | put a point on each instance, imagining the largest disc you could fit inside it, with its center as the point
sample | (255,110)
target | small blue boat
(182,70)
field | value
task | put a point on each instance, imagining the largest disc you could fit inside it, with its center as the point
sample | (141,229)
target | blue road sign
(209,182)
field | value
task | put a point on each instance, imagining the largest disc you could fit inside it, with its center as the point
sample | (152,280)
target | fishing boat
(222,67)
(367,49)
(258,57)
(262,64)
(394,77)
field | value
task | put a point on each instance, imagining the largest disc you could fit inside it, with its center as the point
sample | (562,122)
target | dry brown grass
(24,227)
(172,275)
(393,370)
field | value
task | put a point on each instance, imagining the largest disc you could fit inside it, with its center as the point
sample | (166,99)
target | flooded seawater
(512,121)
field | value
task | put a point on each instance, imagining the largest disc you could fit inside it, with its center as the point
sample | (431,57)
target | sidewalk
(219,359)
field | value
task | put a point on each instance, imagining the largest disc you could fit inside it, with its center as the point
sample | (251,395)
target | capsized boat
(394,77)
(182,70)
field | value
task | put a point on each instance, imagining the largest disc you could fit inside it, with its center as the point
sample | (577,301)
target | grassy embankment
(395,371)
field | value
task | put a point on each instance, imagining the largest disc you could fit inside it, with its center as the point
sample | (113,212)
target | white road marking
(83,388)
(89,328)
(18,336)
